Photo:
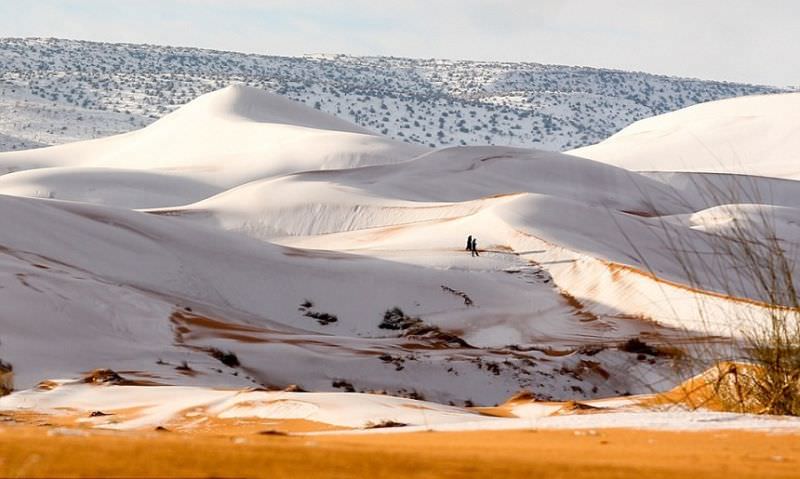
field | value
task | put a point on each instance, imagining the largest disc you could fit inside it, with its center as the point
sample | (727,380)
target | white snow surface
(758,135)
(220,140)
(161,404)
(655,420)
(247,225)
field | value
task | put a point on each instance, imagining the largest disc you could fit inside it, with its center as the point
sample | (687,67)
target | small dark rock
(383,424)
(272,432)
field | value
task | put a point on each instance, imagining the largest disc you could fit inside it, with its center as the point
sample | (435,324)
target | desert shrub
(640,347)
(184,367)
(6,378)
(322,318)
(637,346)
(342,384)
(225,357)
(395,319)
(749,262)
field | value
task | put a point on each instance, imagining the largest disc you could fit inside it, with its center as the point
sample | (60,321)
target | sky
(752,41)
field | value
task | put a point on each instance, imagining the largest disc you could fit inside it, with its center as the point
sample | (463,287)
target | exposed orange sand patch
(208,425)
(194,421)
(495,411)
(716,389)
(72,418)
(31,451)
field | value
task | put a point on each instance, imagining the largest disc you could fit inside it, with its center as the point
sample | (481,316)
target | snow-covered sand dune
(244,240)
(221,140)
(141,269)
(758,135)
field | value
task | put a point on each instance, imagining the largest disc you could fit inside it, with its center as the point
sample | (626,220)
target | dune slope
(247,241)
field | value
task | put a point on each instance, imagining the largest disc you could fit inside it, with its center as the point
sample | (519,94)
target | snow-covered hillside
(55,91)
(245,239)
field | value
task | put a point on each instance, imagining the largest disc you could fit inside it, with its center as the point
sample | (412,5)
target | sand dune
(222,139)
(755,135)
(246,241)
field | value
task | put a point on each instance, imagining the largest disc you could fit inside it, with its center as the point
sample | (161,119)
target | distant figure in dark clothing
(474,248)
(469,243)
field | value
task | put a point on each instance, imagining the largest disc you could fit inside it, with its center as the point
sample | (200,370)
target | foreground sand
(49,451)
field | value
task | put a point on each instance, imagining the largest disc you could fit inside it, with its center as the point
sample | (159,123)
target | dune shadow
(531,252)
(514,253)
(561,261)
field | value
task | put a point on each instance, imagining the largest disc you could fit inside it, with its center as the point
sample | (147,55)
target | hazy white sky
(739,40)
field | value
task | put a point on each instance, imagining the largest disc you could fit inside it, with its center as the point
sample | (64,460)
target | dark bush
(395,319)
(225,357)
(637,346)
(322,318)
(6,378)
(342,384)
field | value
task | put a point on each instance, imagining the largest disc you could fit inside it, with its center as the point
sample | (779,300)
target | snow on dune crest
(251,104)
(444,184)
(224,139)
(703,190)
(758,135)
(293,207)
(465,173)
(750,221)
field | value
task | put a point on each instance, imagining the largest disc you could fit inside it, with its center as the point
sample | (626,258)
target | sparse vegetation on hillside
(53,91)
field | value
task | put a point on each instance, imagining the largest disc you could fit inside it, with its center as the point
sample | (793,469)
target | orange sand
(27,450)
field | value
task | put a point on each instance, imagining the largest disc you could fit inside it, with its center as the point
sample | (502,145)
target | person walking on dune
(469,243)
(474,248)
